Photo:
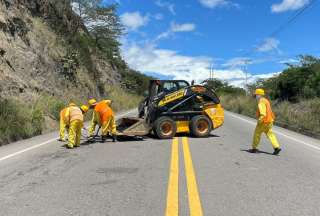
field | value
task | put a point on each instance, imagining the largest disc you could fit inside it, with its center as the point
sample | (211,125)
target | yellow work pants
(109,127)
(63,127)
(95,120)
(75,133)
(267,129)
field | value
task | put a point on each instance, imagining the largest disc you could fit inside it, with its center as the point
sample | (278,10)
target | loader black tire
(200,126)
(165,128)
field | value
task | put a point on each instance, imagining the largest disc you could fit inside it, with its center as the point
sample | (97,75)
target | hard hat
(84,108)
(259,92)
(108,102)
(72,104)
(92,102)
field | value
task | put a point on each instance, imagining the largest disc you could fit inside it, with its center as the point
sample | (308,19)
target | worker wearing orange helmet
(75,118)
(265,118)
(64,121)
(104,117)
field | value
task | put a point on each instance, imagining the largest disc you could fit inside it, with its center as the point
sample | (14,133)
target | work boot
(61,140)
(70,146)
(103,138)
(253,151)
(276,151)
(114,138)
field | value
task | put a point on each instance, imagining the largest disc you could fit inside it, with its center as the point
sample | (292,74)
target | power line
(283,26)
(293,18)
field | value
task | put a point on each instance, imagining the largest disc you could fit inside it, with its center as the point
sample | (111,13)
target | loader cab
(163,87)
(158,89)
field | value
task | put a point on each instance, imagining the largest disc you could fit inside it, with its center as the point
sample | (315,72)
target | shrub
(302,116)
(18,121)
(122,100)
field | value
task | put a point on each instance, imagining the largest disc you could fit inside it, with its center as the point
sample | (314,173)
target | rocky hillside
(43,51)
(48,58)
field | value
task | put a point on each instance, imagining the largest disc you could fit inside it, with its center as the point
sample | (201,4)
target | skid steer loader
(175,106)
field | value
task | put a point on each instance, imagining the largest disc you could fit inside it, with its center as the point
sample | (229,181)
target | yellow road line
(173,187)
(193,194)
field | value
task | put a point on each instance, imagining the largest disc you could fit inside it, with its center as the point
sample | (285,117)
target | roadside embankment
(302,117)
(20,119)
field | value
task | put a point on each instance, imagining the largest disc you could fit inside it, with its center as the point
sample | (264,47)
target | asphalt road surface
(183,176)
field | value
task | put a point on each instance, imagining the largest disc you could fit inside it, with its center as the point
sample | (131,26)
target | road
(183,176)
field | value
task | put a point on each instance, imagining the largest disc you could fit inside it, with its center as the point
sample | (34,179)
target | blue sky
(181,39)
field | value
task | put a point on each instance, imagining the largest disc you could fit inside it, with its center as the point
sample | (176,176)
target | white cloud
(134,20)
(269,44)
(287,5)
(186,27)
(213,3)
(218,3)
(168,5)
(150,59)
(289,61)
(237,62)
(175,28)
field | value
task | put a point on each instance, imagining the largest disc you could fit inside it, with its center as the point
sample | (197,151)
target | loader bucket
(132,127)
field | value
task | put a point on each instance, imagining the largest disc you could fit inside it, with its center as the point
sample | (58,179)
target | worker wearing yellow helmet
(75,118)
(64,121)
(103,116)
(265,118)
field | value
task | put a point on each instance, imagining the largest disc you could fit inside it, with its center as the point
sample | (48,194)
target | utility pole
(211,72)
(245,69)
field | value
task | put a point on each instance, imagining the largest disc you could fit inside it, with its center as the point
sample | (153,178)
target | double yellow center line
(173,186)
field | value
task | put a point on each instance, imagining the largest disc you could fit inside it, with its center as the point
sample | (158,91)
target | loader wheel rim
(166,128)
(203,126)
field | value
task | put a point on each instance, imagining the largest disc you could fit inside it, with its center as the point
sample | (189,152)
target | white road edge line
(44,143)
(277,132)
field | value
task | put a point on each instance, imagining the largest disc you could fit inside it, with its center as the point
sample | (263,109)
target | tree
(85,10)
(222,87)
(103,24)
(295,82)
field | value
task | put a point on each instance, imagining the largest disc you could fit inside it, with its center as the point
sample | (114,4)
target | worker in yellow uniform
(64,121)
(265,118)
(76,118)
(104,117)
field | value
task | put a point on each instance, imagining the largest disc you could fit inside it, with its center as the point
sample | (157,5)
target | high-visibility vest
(104,111)
(75,114)
(270,117)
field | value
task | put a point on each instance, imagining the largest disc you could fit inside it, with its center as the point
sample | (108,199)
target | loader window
(182,84)
(169,87)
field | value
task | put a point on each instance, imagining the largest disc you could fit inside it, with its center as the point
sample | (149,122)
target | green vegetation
(302,116)
(18,121)
(295,95)
(135,82)
(102,40)
(301,81)
(122,100)
(223,88)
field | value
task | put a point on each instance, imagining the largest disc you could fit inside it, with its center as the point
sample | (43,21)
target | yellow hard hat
(259,92)
(84,108)
(72,104)
(92,102)
(108,102)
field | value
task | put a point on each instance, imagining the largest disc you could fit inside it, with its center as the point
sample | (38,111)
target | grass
(18,121)
(122,100)
(21,120)
(302,116)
